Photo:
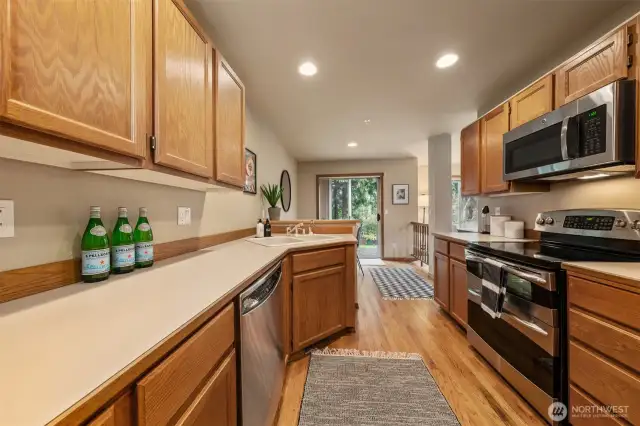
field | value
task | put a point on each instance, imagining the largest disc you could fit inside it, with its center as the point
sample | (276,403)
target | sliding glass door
(354,198)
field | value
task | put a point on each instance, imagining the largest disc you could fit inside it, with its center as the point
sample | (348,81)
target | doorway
(354,197)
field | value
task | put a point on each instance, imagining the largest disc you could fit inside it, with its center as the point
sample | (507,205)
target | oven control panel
(597,223)
(603,223)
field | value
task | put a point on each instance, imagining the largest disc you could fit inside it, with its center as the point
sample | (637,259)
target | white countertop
(57,347)
(624,270)
(468,237)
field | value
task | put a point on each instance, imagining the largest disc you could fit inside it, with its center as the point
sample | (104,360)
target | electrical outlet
(184,216)
(497,211)
(6,219)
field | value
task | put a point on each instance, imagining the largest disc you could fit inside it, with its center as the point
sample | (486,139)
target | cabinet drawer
(608,302)
(216,402)
(456,251)
(441,246)
(167,387)
(608,339)
(583,404)
(317,259)
(605,381)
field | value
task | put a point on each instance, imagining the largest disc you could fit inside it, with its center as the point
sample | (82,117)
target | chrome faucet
(298,227)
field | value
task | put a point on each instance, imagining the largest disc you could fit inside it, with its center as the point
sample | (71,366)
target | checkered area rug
(401,284)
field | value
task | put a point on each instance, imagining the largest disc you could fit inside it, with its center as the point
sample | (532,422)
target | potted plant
(272,193)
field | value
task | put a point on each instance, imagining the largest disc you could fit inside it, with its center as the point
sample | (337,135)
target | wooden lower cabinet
(318,308)
(604,348)
(120,413)
(441,280)
(216,404)
(458,291)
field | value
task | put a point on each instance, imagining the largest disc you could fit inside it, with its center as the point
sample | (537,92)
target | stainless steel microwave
(593,135)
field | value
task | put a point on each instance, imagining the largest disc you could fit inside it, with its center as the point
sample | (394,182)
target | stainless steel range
(527,341)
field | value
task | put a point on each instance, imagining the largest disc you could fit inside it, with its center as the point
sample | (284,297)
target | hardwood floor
(476,393)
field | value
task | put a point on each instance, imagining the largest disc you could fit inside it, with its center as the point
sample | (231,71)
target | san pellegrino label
(95,262)
(144,252)
(123,256)
(96,259)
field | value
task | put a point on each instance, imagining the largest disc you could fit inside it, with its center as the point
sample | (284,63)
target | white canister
(496,225)
(514,229)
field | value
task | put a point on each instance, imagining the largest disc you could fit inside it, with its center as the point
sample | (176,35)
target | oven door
(523,344)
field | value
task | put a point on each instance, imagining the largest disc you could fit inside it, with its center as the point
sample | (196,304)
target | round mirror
(285,183)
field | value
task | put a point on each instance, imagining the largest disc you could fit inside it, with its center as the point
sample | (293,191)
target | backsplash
(52,204)
(607,193)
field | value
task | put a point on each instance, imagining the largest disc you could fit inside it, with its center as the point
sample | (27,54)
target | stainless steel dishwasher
(262,361)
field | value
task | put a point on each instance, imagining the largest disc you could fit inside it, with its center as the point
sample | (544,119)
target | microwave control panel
(593,136)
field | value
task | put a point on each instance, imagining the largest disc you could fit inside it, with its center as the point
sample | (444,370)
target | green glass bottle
(123,256)
(143,237)
(95,249)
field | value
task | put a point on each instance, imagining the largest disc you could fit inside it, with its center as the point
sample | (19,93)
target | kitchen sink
(275,241)
(287,240)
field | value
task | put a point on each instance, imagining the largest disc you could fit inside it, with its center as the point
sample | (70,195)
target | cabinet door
(532,102)
(229,140)
(183,91)
(318,305)
(78,69)
(120,413)
(597,66)
(470,159)
(494,126)
(458,290)
(215,405)
(441,280)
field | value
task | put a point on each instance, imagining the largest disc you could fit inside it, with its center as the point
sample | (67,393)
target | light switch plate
(6,219)
(184,216)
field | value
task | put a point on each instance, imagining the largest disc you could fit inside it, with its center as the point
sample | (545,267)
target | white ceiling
(376,60)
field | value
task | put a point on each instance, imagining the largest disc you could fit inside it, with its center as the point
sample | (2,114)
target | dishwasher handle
(260,291)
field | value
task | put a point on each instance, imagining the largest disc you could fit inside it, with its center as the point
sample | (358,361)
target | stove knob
(549,221)
(636,225)
(620,223)
(540,220)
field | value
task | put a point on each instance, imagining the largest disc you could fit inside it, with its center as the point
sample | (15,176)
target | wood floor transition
(476,393)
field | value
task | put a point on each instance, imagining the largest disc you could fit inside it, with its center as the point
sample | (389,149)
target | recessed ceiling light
(308,69)
(352,144)
(367,121)
(445,61)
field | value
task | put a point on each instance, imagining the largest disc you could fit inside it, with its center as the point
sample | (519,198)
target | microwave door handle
(564,149)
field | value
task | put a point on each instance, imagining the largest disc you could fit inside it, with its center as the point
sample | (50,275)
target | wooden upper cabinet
(183,91)
(230,123)
(78,69)
(470,159)
(494,125)
(596,66)
(532,102)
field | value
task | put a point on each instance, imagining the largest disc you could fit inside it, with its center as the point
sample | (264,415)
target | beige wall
(608,193)
(52,204)
(397,232)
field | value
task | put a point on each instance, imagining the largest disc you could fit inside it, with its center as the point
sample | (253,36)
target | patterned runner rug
(401,284)
(351,388)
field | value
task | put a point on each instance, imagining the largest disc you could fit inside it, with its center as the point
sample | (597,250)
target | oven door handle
(525,275)
(528,324)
